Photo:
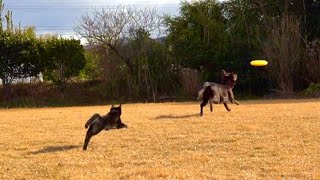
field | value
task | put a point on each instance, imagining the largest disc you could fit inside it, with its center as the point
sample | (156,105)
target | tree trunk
(283,49)
(6,89)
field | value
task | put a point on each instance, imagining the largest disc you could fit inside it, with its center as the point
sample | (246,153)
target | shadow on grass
(176,116)
(51,149)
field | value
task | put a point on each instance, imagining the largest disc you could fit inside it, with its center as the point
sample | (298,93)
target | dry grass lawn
(272,139)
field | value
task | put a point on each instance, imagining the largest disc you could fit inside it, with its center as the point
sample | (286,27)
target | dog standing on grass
(98,123)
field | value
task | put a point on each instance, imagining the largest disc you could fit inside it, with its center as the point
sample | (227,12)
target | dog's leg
(94,129)
(210,105)
(226,106)
(204,103)
(233,101)
(236,102)
(231,97)
(120,124)
(86,141)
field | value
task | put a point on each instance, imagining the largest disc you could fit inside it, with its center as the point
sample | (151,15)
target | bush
(313,90)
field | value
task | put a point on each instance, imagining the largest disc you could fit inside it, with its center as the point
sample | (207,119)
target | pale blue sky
(59,16)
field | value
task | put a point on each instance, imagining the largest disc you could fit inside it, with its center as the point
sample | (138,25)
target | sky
(61,16)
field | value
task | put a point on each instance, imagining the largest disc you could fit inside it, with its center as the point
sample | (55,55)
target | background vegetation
(129,58)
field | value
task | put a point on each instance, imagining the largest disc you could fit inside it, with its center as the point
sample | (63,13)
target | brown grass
(271,139)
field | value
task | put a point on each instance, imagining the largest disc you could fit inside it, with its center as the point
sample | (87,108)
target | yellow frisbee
(259,63)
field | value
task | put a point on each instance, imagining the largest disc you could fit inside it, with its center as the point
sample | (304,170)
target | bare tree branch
(114,28)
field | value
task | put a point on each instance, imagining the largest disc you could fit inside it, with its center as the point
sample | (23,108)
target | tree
(245,31)
(197,38)
(65,59)
(20,53)
(122,41)
(284,42)
(153,72)
(113,28)
(91,70)
(283,49)
(243,24)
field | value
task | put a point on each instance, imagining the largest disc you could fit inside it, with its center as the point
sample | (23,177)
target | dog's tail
(200,92)
(92,120)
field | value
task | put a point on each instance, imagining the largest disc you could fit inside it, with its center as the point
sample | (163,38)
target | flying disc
(259,63)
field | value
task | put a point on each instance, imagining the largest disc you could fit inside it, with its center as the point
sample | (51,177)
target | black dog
(219,93)
(98,123)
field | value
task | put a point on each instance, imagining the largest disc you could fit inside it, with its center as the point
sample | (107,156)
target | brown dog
(219,93)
